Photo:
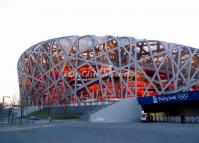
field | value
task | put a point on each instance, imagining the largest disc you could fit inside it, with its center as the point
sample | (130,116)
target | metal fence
(176,119)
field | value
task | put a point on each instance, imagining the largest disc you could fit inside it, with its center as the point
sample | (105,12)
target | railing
(176,119)
(5,122)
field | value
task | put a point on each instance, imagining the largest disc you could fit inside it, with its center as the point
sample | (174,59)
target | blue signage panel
(169,98)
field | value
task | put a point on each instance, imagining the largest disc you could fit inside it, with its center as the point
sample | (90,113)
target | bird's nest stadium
(76,70)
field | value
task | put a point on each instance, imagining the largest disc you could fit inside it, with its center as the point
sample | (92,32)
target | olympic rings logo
(182,96)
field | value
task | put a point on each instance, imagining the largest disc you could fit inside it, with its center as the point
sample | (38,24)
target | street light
(4,99)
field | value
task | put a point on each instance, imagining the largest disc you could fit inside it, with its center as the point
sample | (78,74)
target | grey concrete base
(123,111)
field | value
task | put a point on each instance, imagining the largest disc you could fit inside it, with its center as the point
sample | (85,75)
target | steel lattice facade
(78,70)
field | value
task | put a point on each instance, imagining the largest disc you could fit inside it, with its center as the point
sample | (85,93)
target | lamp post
(4,99)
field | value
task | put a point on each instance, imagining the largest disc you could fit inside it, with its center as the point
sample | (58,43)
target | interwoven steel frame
(78,70)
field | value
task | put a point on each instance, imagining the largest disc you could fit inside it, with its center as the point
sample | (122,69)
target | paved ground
(87,132)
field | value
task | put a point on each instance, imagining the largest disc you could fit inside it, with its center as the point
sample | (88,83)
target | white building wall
(123,111)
